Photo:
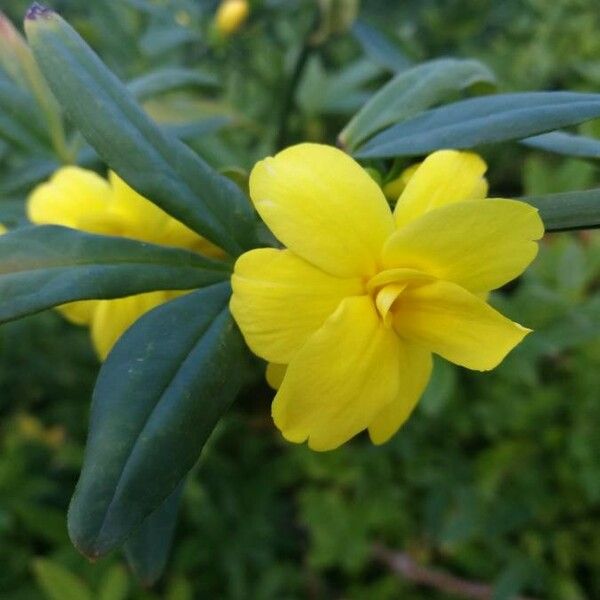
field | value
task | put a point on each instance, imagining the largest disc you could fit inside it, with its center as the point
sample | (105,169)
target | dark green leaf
(20,121)
(159,40)
(25,176)
(411,92)
(147,550)
(158,166)
(45,266)
(168,80)
(379,47)
(12,212)
(568,210)
(192,130)
(483,120)
(159,395)
(568,144)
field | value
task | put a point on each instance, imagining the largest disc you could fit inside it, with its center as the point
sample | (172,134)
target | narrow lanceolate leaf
(568,210)
(411,92)
(157,165)
(379,48)
(20,122)
(147,550)
(158,397)
(168,80)
(48,265)
(567,144)
(192,130)
(483,120)
(17,60)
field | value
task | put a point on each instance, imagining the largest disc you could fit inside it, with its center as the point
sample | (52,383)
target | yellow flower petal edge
(274,374)
(350,313)
(344,375)
(113,317)
(81,199)
(444,177)
(279,300)
(415,369)
(79,313)
(324,207)
(456,324)
(480,245)
(71,196)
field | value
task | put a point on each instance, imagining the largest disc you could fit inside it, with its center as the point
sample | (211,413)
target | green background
(495,479)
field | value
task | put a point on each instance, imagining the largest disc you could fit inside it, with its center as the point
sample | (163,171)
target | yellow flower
(352,310)
(231,15)
(81,199)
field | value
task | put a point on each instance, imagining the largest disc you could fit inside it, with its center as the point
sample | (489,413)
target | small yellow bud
(231,15)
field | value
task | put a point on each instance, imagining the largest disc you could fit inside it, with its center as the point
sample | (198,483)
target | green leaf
(411,92)
(48,265)
(12,212)
(483,120)
(168,80)
(379,47)
(568,144)
(337,92)
(147,550)
(568,210)
(192,130)
(158,166)
(58,583)
(19,118)
(115,585)
(159,40)
(21,179)
(159,395)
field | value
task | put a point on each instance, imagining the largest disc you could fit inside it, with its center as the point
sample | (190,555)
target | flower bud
(231,15)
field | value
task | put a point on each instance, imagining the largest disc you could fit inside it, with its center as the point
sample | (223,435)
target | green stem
(290,93)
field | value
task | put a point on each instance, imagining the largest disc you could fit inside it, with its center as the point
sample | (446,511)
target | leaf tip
(38,11)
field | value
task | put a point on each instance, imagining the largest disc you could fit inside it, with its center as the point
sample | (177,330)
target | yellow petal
(444,177)
(79,313)
(415,370)
(480,245)
(446,319)
(275,374)
(73,197)
(2,229)
(323,206)
(279,300)
(113,317)
(340,379)
(141,218)
(385,299)
(179,235)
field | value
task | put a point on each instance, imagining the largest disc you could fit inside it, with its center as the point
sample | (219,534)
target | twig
(403,565)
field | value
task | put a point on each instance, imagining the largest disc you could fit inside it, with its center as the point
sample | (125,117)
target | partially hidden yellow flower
(81,199)
(231,15)
(350,312)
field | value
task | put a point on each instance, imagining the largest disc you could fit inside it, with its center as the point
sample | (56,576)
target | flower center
(387,286)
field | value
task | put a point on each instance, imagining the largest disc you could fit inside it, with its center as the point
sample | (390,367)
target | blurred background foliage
(496,478)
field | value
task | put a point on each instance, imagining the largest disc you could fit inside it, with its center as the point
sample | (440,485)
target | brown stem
(403,565)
